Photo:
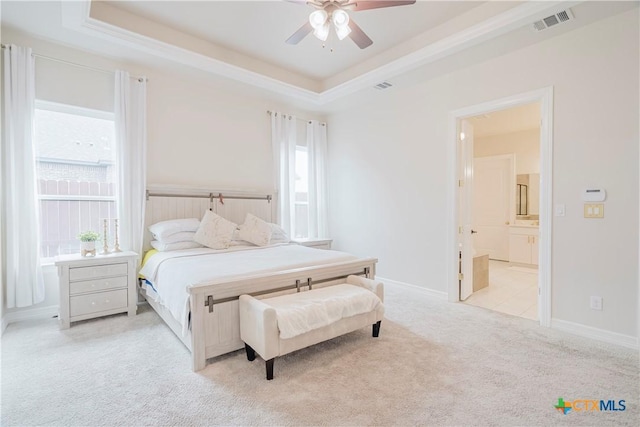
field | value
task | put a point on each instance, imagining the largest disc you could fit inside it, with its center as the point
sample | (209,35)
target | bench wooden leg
(251,353)
(376,328)
(269,365)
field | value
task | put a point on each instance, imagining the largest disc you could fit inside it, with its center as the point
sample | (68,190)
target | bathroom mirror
(522,195)
(528,195)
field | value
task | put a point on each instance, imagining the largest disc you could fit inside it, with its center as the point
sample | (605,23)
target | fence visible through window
(69,207)
(76,167)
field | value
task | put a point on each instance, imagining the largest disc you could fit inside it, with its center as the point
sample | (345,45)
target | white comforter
(169,273)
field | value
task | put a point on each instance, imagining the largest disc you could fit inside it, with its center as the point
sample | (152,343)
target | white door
(465,237)
(493,200)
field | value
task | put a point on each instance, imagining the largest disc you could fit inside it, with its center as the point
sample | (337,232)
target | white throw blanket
(305,311)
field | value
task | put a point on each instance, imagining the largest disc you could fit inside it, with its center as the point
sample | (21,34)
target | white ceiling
(259,29)
(242,42)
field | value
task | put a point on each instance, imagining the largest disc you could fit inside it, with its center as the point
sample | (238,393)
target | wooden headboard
(164,203)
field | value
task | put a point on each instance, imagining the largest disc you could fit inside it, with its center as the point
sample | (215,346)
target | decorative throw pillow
(214,232)
(256,231)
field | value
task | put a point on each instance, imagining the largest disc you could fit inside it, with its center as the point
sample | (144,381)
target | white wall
(388,168)
(524,144)
(202,135)
(202,132)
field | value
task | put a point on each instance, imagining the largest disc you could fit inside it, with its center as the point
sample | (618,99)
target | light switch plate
(594,210)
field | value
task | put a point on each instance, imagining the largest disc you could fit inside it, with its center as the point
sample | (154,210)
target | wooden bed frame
(215,319)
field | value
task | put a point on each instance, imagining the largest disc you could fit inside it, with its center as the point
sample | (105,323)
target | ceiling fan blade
(313,3)
(358,36)
(376,4)
(300,34)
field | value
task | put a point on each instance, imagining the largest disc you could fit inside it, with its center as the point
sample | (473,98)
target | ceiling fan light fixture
(322,32)
(343,32)
(318,19)
(340,18)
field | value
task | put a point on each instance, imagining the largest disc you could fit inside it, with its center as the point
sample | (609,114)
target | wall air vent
(383,85)
(550,21)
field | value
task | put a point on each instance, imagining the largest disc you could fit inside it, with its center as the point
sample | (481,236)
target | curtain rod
(100,70)
(299,118)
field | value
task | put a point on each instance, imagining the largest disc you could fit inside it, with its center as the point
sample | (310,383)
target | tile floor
(512,289)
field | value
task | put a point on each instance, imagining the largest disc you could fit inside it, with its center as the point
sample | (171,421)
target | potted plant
(88,242)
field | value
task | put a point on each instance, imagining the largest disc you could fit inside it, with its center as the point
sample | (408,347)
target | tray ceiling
(245,40)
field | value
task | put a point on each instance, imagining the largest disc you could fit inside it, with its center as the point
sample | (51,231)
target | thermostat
(594,194)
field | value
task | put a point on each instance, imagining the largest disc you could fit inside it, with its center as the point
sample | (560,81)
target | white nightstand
(96,286)
(314,243)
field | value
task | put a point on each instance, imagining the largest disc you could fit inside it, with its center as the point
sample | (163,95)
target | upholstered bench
(280,325)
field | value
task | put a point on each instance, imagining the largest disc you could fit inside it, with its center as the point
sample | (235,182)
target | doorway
(505,210)
(501,205)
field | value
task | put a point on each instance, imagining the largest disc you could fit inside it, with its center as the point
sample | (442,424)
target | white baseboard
(432,293)
(29,314)
(596,334)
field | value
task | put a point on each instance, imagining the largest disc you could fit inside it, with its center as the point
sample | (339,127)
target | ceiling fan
(334,13)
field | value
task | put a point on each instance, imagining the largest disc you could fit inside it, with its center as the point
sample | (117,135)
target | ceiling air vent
(383,85)
(552,20)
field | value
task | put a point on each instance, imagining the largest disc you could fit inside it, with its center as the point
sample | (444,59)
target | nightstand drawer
(94,303)
(97,285)
(87,273)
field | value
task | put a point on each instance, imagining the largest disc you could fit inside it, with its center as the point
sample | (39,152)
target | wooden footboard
(215,319)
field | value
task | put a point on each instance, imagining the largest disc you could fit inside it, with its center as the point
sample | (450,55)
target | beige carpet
(435,363)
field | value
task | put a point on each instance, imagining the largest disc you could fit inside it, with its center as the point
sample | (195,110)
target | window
(75,166)
(302,193)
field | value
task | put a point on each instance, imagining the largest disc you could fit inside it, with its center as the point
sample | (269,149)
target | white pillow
(278,235)
(237,241)
(255,230)
(164,247)
(161,230)
(215,232)
(183,236)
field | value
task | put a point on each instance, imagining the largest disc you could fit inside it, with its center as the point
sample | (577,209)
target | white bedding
(170,273)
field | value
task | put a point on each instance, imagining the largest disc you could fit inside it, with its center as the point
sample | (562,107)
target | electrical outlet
(594,210)
(596,303)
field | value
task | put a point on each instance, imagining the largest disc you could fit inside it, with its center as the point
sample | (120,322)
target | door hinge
(460,276)
(460,183)
(459,229)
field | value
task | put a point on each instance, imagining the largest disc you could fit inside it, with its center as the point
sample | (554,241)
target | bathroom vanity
(523,244)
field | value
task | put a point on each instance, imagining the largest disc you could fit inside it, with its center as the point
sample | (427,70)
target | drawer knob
(93,303)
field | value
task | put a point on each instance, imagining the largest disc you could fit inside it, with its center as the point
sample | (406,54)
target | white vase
(88,248)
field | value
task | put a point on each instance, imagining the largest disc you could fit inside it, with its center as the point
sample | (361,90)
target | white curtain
(283,139)
(20,208)
(131,141)
(317,157)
